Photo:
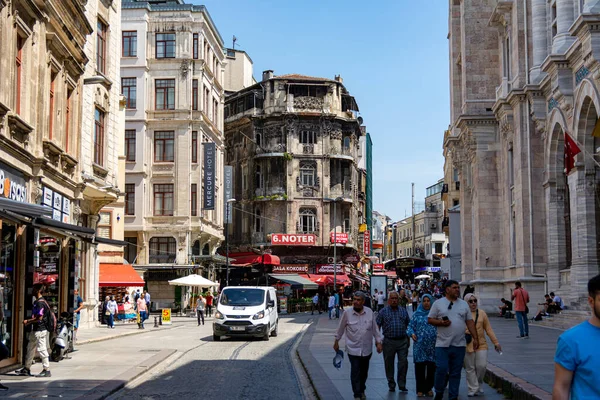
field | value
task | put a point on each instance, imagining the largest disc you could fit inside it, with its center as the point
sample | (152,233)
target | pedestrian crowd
(449,333)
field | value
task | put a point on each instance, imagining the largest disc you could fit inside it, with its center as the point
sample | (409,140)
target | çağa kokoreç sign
(285,239)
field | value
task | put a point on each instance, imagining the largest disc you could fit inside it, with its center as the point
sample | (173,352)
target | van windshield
(242,297)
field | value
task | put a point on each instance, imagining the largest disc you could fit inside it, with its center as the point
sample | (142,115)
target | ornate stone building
(172,77)
(530,78)
(293,143)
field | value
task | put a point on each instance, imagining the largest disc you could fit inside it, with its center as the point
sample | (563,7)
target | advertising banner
(328,269)
(290,269)
(166,316)
(367,243)
(228,187)
(283,239)
(209,176)
(378,267)
(339,237)
(12,185)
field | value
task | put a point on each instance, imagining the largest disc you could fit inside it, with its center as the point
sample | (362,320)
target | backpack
(49,319)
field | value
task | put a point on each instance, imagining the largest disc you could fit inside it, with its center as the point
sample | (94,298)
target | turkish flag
(571,150)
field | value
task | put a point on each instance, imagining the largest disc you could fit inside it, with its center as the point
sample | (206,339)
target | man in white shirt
(315,304)
(380,300)
(360,329)
(331,304)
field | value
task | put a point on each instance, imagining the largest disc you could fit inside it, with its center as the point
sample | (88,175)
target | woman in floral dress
(424,336)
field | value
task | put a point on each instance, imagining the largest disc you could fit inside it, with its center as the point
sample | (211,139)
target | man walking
(39,321)
(452,316)
(393,320)
(360,328)
(576,370)
(147,300)
(315,304)
(78,307)
(521,298)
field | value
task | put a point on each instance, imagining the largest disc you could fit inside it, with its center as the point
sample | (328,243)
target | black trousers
(209,311)
(200,316)
(359,372)
(425,376)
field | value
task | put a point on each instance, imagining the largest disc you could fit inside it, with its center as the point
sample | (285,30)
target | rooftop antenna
(234,40)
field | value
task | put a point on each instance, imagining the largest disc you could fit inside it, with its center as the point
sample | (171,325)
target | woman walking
(415,300)
(424,336)
(476,360)
(112,308)
(200,309)
(105,312)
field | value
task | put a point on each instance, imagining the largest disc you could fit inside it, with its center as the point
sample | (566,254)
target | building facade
(172,77)
(523,89)
(239,70)
(293,143)
(436,241)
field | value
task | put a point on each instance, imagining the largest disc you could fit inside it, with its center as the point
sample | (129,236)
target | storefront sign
(328,269)
(47,201)
(209,176)
(351,258)
(228,187)
(12,186)
(283,239)
(378,267)
(166,316)
(339,237)
(60,204)
(367,243)
(290,269)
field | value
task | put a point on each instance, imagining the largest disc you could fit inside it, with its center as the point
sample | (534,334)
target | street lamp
(226,241)
(334,240)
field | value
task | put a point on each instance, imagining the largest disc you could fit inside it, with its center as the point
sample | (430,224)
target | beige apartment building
(172,77)
(529,79)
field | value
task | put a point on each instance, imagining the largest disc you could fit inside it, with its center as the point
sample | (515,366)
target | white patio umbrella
(423,277)
(193,280)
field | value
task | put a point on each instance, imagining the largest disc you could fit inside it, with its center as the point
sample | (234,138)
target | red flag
(571,150)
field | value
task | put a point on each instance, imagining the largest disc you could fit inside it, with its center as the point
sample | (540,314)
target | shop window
(104,228)
(48,272)
(163,250)
(129,44)
(7,283)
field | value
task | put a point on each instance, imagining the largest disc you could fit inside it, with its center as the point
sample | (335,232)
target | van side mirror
(271,303)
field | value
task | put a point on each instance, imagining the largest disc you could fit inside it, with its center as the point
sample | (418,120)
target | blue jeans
(448,360)
(111,320)
(523,323)
(142,318)
(330,312)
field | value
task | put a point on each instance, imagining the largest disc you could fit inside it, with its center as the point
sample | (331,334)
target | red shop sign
(328,269)
(367,243)
(339,237)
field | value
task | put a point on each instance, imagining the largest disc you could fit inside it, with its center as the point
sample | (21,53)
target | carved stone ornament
(76,214)
(291,123)
(308,103)
(36,191)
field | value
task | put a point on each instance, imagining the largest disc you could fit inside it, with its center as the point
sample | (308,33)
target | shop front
(119,280)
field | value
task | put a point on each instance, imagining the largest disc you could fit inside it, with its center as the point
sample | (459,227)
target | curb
(109,387)
(512,386)
(322,385)
(121,335)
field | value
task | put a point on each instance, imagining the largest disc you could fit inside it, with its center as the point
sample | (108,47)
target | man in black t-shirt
(505,307)
(37,337)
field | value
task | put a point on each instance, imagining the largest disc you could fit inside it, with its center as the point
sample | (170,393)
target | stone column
(565,17)
(540,41)
(591,7)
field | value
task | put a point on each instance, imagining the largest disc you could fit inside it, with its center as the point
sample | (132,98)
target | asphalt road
(229,369)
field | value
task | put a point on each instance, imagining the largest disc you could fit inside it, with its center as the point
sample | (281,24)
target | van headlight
(259,315)
(218,315)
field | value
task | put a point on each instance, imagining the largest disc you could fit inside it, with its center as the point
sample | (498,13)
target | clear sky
(393,57)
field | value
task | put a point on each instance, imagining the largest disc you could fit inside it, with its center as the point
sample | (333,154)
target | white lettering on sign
(290,268)
(328,269)
(282,239)
(11,189)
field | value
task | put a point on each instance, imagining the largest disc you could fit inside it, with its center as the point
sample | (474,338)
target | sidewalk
(100,366)
(316,354)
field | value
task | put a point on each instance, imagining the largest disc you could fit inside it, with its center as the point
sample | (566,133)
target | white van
(246,311)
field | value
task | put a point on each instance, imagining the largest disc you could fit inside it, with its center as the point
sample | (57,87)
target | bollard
(156,321)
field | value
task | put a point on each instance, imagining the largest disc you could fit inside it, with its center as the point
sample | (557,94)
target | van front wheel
(267,333)
(274,333)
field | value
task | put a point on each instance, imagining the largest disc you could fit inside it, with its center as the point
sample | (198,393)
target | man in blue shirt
(78,306)
(393,320)
(577,355)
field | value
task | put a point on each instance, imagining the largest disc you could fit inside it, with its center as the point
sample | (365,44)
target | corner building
(172,77)
(530,77)
(293,142)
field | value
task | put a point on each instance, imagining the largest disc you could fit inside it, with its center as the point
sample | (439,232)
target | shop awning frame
(296,281)
(61,227)
(244,260)
(26,209)
(110,242)
(119,275)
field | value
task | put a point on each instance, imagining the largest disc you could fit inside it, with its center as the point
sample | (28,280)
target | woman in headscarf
(424,336)
(476,360)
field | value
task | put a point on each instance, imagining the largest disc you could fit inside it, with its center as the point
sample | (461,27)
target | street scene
(232,199)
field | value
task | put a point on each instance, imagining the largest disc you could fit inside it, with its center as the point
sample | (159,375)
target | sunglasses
(473,301)
(450,306)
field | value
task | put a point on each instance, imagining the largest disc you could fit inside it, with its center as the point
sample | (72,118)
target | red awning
(113,275)
(327,280)
(246,259)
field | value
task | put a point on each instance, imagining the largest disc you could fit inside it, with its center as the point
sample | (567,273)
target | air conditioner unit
(433,225)
(330,260)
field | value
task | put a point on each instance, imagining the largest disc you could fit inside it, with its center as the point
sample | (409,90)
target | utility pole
(413,219)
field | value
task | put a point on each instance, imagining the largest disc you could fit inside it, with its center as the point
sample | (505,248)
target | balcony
(276,150)
(503,90)
(269,191)
(308,103)
(344,152)
(163,259)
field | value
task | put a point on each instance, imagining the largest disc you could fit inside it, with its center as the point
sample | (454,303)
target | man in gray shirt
(452,317)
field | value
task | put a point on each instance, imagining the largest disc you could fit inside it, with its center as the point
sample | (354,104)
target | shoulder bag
(523,297)
(468,336)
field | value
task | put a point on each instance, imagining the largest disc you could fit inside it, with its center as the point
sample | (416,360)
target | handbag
(107,313)
(468,336)
(526,307)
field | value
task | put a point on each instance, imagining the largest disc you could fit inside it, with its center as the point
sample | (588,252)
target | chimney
(338,78)
(268,74)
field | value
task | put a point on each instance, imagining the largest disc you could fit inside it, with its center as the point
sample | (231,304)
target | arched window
(196,248)
(308,173)
(308,220)
(258,178)
(347,142)
(258,138)
(257,221)
(163,250)
(206,250)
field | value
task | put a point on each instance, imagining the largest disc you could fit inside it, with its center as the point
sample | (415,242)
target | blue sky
(393,57)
